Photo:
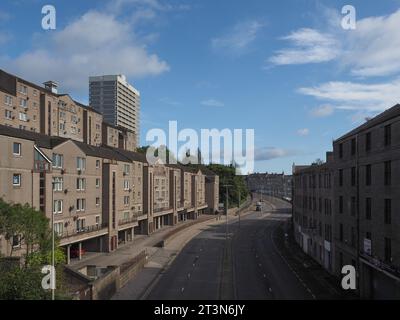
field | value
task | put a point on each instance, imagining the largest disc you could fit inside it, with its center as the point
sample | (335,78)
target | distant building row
(346,211)
(274,184)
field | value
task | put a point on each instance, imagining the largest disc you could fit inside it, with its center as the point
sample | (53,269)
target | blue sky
(284,68)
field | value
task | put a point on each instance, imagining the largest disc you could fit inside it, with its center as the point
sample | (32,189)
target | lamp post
(227,207)
(239,208)
(53,278)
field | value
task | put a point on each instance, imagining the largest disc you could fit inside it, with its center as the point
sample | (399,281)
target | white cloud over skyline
(95,43)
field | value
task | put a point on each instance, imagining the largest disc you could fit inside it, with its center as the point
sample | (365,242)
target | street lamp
(227,207)
(53,282)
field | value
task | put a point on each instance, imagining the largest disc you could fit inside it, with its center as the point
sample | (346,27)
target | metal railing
(83,230)
(127,221)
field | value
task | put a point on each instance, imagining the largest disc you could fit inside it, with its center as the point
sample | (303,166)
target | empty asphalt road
(246,264)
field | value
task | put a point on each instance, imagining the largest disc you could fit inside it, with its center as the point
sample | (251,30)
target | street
(246,265)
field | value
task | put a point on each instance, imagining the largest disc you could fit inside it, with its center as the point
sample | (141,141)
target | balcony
(126,221)
(82,234)
(381,265)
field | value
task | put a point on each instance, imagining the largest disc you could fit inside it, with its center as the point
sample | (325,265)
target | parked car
(75,252)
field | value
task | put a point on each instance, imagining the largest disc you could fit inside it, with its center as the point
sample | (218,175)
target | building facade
(85,175)
(117,100)
(366,198)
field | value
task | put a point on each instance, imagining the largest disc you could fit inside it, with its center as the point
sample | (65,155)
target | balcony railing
(86,229)
(127,221)
(161,209)
(395,270)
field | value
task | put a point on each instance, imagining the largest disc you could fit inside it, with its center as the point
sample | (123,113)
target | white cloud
(322,111)
(268,153)
(357,96)
(309,46)
(212,103)
(96,43)
(303,132)
(237,40)
(372,49)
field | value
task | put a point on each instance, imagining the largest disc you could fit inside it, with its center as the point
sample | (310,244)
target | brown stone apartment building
(84,173)
(313,207)
(366,193)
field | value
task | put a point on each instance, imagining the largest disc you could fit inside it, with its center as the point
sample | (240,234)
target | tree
(35,235)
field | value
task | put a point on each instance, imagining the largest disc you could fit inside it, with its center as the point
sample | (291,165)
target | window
(388,211)
(97,164)
(368,208)
(23,103)
(16,180)
(80,163)
(368,174)
(97,201)
(341,204)
(126,184)
(340,177)
(23,116)
(353,206)
(368,142)
(58,183)
(97,183)
(353,176)
(388,135)
(80,225)
(57,206)
(353,147)
(16,149)
(388,173)
(23,89)
(341,232)
(8,114)
(126,215)
(80,204)
(58,160)
(8,100)
(62,126)
(353,237)
(34,92)
(341,150)
(16,241)
(126,169)
(126,200)
(80,184)
(388,250)
(59,228)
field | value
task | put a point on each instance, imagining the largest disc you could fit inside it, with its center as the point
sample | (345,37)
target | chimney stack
(51,86)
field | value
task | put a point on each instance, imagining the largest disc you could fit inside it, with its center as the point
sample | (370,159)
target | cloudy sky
(286,69)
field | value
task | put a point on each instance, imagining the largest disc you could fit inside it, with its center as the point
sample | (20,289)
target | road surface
(246,264)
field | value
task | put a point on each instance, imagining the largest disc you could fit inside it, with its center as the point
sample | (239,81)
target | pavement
(127,251)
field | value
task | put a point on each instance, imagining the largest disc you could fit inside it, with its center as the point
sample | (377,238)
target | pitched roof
(133,156)
(389,114)
(41,140)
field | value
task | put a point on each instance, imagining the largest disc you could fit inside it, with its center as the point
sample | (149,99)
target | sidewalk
(131,249)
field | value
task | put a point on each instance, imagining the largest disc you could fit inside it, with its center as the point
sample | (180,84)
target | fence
(111,279)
